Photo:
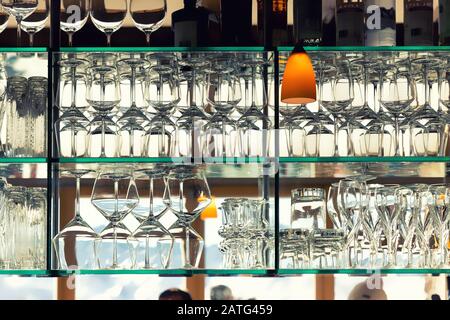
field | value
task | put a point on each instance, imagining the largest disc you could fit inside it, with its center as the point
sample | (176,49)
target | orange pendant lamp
(299,81)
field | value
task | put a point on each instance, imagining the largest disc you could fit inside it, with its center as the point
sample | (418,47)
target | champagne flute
(73,16)
(36,21)
(20,9)
(108,16)
(148,16)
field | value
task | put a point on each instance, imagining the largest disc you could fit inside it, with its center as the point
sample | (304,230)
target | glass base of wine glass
(114,241)
(187,247)
(75,246)
(152,244)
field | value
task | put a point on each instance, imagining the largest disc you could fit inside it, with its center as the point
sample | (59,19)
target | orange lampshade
(299,81)
(210,211)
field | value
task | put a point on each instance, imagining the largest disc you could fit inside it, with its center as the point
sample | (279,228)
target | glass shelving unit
(273,172)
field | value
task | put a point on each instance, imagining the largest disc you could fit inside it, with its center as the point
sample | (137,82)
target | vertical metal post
(52,178)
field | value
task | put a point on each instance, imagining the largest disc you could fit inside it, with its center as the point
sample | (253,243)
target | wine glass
(75,244)
(37,20)
(108,16)
(148,16)
(353,202)
(388,210)
(20,9)
(439,202)
(397,92)
(4,18)
(73,16)
(115,195)
(154,242)
(103,95)
(187,194)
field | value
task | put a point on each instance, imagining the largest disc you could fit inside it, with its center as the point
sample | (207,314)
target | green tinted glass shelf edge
(23,160)
(361,271)
(168,272)
(161,49)
(219,160)
(375,49)
(23,49)
(361,159)
(233,160)
(24,272)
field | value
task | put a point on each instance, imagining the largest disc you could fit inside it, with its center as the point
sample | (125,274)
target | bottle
(308,22)
(236,21)
(418,22)
(380,23)
(278,17)
(328,22)
(444,22)
(190,25)
(349,22)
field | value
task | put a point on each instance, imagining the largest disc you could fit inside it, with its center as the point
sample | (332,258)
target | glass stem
(70,35)
(31,35)
(116,211)
(73,142)
(150,196)
(147,38)
(290,142)
(108,39)
(336,148)
(102,98)
(19,31)
(186,228)
(77,199)
(396,136)
(443,244)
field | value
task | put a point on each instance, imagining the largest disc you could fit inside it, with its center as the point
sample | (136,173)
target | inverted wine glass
(75,243)
(115,195)
(154,243)
(187,195)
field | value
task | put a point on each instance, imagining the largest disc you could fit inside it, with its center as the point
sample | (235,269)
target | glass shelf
(213,160)
(24,273)
(212,170)
(221,272)
(363,159)
(167,272)
(373,49)
(361,271)
(22,49)
(161,49)
(351,168)
(23,160)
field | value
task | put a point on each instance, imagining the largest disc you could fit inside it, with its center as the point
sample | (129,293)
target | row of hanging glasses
(31,16)
(181,190)
(247,240)
(23,116)
(109,15)
(163,105)
(23,212)
(372,104)
(374,226)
